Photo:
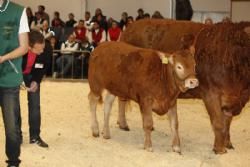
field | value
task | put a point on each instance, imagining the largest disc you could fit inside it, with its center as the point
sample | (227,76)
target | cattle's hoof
(230,146)
(177,149)
(126,128)
(95,134)
(222,151)
(149,149)
(106,136)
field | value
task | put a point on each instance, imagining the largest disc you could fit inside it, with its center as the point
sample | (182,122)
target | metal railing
(81,55)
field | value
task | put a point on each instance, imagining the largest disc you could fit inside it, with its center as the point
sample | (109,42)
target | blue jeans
(9,102)
(64,64)
(34,111)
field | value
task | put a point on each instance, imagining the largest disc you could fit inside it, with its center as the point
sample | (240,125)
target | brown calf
(150,78)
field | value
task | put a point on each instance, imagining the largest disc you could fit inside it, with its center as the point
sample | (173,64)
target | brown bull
(223,67)
(150,78)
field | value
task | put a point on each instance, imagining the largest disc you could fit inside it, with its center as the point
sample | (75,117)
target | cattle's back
(160,34)
(113,63)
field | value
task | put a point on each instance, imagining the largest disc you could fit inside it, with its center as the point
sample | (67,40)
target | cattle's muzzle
(191,83)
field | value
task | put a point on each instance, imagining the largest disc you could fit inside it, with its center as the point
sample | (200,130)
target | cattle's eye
(179,67)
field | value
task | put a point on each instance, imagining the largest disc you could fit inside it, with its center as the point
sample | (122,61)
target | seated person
(45,30)
(64,62)
(57,21)
(71,22)
(80,32)
(114,32)
(97,35)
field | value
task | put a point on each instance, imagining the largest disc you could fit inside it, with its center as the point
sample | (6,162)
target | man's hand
(33,87)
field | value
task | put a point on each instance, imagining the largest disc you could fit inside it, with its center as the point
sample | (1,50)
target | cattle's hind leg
(93,101)
(109,99)
(172,114)
(228,120)
(121,115)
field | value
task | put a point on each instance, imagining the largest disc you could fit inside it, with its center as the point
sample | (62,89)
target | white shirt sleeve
(103,36)
(24,26)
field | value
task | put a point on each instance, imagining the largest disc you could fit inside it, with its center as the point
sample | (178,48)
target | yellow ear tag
(164,60)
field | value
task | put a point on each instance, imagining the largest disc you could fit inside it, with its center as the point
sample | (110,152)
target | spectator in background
(54,43)
(87,21)
(30,15)
(97,35)
(114,32)
(45,30)
(110,22)
(44,15)
(146,16)
(71,22)
(140,14)
(57,22)
(123,20)
(226,20)
(64,62)
(98,11)
(130,20)
(157,15)
(183,10)
(208,21)
(37,23)
(102,22)
(80,32)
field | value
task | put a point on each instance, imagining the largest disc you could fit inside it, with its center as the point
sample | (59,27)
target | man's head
(87,15)
(41,8)
(36,42)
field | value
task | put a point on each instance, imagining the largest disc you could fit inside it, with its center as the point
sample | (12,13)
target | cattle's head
(183,66)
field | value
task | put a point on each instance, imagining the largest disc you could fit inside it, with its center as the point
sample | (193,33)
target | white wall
(241,11)
(114,8)
(211,5)
(63,6)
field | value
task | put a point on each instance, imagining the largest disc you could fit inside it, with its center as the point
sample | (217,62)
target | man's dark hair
(35,37)
(42,7)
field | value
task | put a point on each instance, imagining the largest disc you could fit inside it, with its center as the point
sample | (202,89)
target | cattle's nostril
(191,82)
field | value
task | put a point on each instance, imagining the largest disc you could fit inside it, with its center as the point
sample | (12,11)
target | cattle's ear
(192,49)
(186,41)
(166,58)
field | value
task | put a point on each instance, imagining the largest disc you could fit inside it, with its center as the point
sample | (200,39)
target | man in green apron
(14,44)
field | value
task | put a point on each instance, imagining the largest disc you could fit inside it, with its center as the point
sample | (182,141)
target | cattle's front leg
(227,122)
(212,103)
(109,99)
(93,101)
(147,119)
(173,117)
(121,115)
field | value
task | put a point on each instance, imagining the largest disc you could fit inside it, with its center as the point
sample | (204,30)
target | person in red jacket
(80,32)
(114,32)
(97,35)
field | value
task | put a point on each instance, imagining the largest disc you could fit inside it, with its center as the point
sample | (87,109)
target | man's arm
(20,51)
(23,40)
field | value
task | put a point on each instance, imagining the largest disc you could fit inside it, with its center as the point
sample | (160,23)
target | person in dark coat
(183,10)
(34,66)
